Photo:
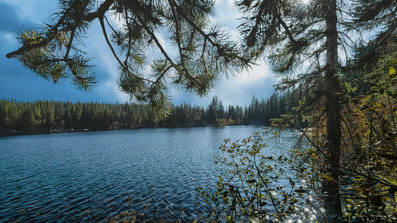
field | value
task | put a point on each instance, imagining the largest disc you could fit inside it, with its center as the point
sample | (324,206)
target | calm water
(113,175)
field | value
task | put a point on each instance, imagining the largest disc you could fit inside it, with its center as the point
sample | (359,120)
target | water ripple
(147,175)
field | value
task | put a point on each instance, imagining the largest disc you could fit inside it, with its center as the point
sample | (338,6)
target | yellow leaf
(392,71)
(326,177)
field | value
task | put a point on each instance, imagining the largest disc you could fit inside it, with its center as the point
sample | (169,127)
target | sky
(20,84)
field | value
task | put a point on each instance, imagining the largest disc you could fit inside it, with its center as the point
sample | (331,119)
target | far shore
(70,130)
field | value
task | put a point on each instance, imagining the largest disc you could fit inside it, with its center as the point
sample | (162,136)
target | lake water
(111,176)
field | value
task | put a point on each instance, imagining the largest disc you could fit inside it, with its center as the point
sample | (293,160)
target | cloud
(18,83)
(235,90)
(240,89)
(9,21)
(106,66)
(34,11)
(227,13)
(21,84)
(258,72)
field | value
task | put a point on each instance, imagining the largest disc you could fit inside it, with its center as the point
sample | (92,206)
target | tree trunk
(332,201)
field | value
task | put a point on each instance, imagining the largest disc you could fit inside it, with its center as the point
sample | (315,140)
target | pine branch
(103,8)
(177,28)
(51,35)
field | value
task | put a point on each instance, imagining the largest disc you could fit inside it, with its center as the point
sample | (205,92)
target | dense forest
(54,116)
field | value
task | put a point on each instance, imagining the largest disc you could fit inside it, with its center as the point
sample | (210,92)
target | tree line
(46,116)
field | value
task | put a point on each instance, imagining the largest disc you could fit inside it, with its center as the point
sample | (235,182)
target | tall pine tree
(308,37)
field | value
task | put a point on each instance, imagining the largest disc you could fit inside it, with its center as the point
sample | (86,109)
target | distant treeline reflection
(55,116)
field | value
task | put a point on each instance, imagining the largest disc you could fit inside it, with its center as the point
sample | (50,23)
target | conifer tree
(204,50)
(293,33)
(310,38)
(3,115)
(213,111)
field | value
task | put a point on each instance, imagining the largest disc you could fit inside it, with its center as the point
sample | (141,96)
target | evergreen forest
(56,116)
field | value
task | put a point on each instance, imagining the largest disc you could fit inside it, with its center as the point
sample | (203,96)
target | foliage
(256,186)
(306,38)
(367,169)
(357,165)
(370,165)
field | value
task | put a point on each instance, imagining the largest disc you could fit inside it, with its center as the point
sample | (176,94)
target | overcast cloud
(18,83)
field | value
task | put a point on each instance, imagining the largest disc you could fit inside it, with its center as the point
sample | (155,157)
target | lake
(111,176)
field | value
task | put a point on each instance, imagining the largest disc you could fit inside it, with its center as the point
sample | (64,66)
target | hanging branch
(108,42)
(129,36)
(54,31)
(219,48)
(193,79)
(76,24)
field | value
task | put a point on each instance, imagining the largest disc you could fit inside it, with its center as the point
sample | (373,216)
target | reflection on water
(113,176)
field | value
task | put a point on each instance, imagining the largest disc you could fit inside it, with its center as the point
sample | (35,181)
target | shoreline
(70,130)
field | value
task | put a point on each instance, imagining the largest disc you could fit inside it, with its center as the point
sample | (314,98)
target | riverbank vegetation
(288,188)
(354,180)
(349,164)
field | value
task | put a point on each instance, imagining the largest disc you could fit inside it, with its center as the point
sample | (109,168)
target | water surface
(113,175)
